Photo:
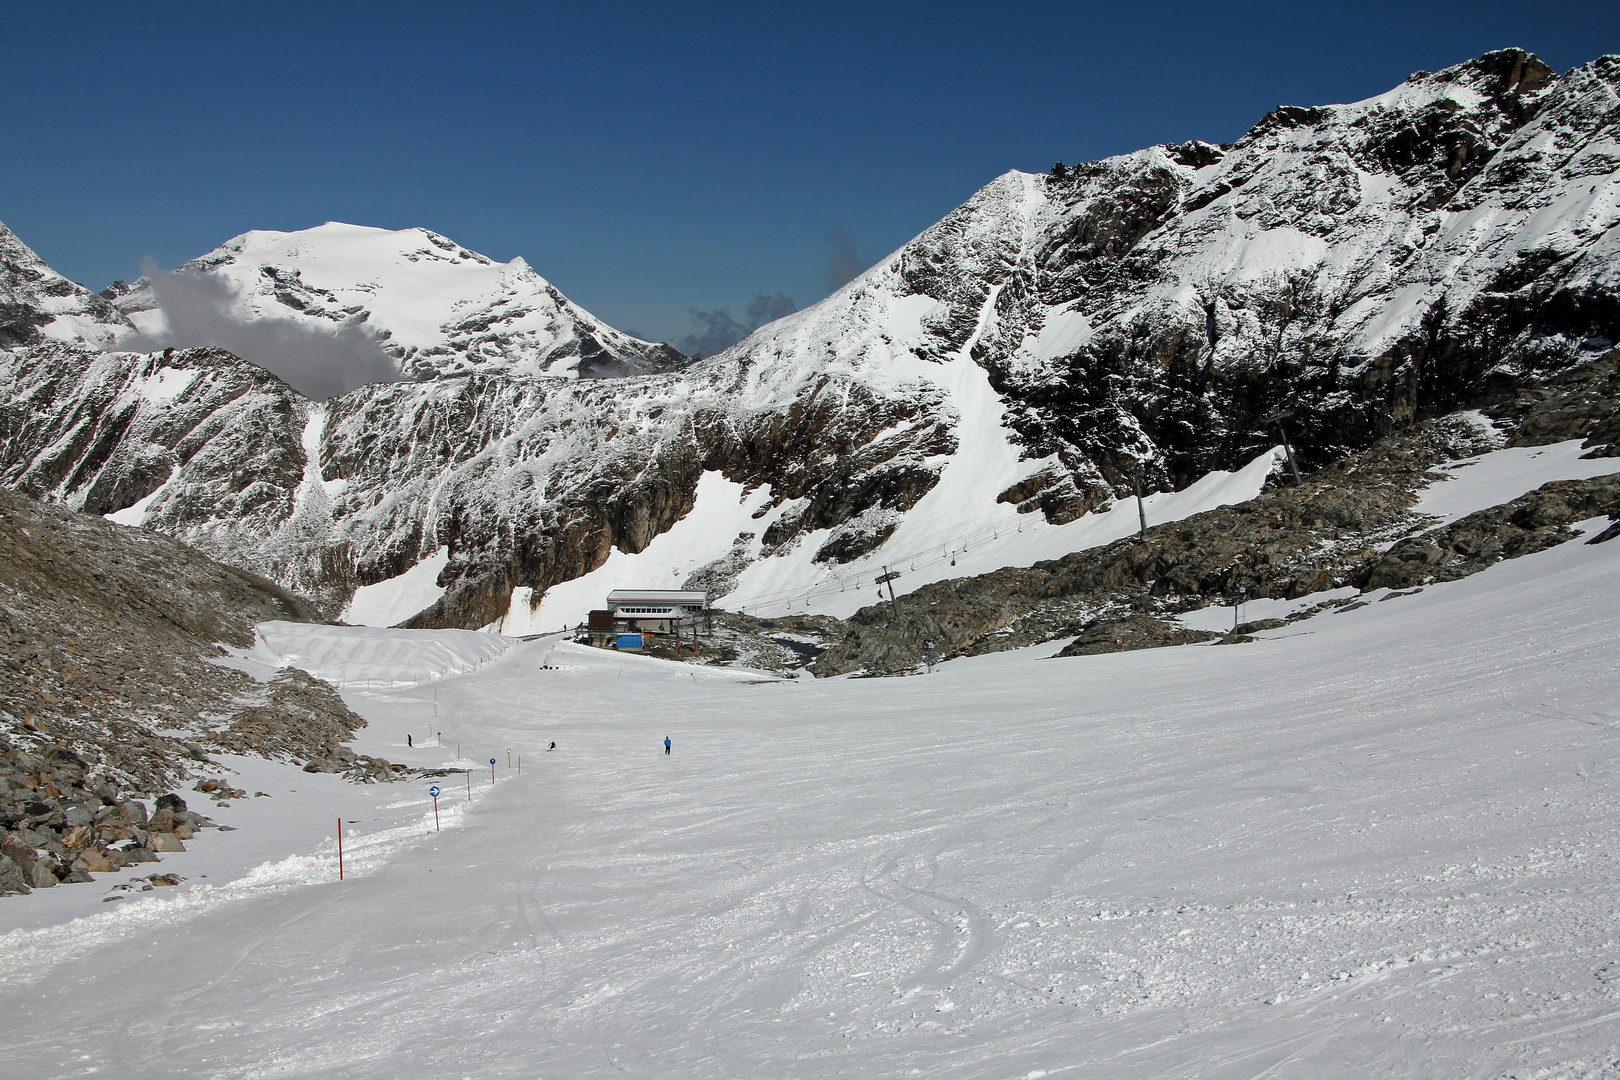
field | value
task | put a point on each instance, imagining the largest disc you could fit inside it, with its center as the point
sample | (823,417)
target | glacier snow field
(1376,843)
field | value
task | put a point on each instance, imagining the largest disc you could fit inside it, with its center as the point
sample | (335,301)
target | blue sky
(652,159)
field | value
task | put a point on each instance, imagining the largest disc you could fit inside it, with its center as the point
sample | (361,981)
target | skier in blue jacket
(666,744)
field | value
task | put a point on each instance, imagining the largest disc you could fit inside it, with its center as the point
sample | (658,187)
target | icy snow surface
(365,656)
(398,598)
(1503,475)
(1384,847)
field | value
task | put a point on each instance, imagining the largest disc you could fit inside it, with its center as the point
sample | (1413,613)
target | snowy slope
(435,307)
(363,656)
(950,535)
(1381,847)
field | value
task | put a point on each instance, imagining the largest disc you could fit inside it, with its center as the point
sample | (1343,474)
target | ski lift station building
(657,610)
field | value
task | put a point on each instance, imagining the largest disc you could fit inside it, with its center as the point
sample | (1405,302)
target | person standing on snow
(666,744)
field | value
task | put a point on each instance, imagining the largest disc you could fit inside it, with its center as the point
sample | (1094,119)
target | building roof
(657,596)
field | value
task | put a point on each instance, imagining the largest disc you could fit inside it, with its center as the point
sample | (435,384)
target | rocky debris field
(113,692)
(62,825)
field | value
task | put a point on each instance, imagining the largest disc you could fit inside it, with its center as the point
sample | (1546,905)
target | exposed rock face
(528,481)
(1581,403)
(1357,267)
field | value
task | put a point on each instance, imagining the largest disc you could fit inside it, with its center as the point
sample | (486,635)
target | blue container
(628,641)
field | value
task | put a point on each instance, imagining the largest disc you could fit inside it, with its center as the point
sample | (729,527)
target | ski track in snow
(1382,847)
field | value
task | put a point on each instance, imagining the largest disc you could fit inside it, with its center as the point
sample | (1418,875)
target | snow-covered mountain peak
(433,306)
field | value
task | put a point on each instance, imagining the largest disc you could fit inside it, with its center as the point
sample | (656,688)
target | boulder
(1131,633)
(166,842)
(80,836)
(40,875)
(13,879)
(17,849)
(162,821)
(171,801)
(93,861)
(133,812)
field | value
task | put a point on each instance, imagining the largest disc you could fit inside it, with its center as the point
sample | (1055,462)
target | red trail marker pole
(435,813)
(340,849)
(469,785)
(492,770)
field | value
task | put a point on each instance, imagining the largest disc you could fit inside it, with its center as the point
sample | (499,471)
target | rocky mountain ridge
(38,304)
(986,392)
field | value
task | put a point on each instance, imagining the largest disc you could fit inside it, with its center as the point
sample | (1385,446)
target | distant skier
(408,741)
(666,744)
(550,748)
